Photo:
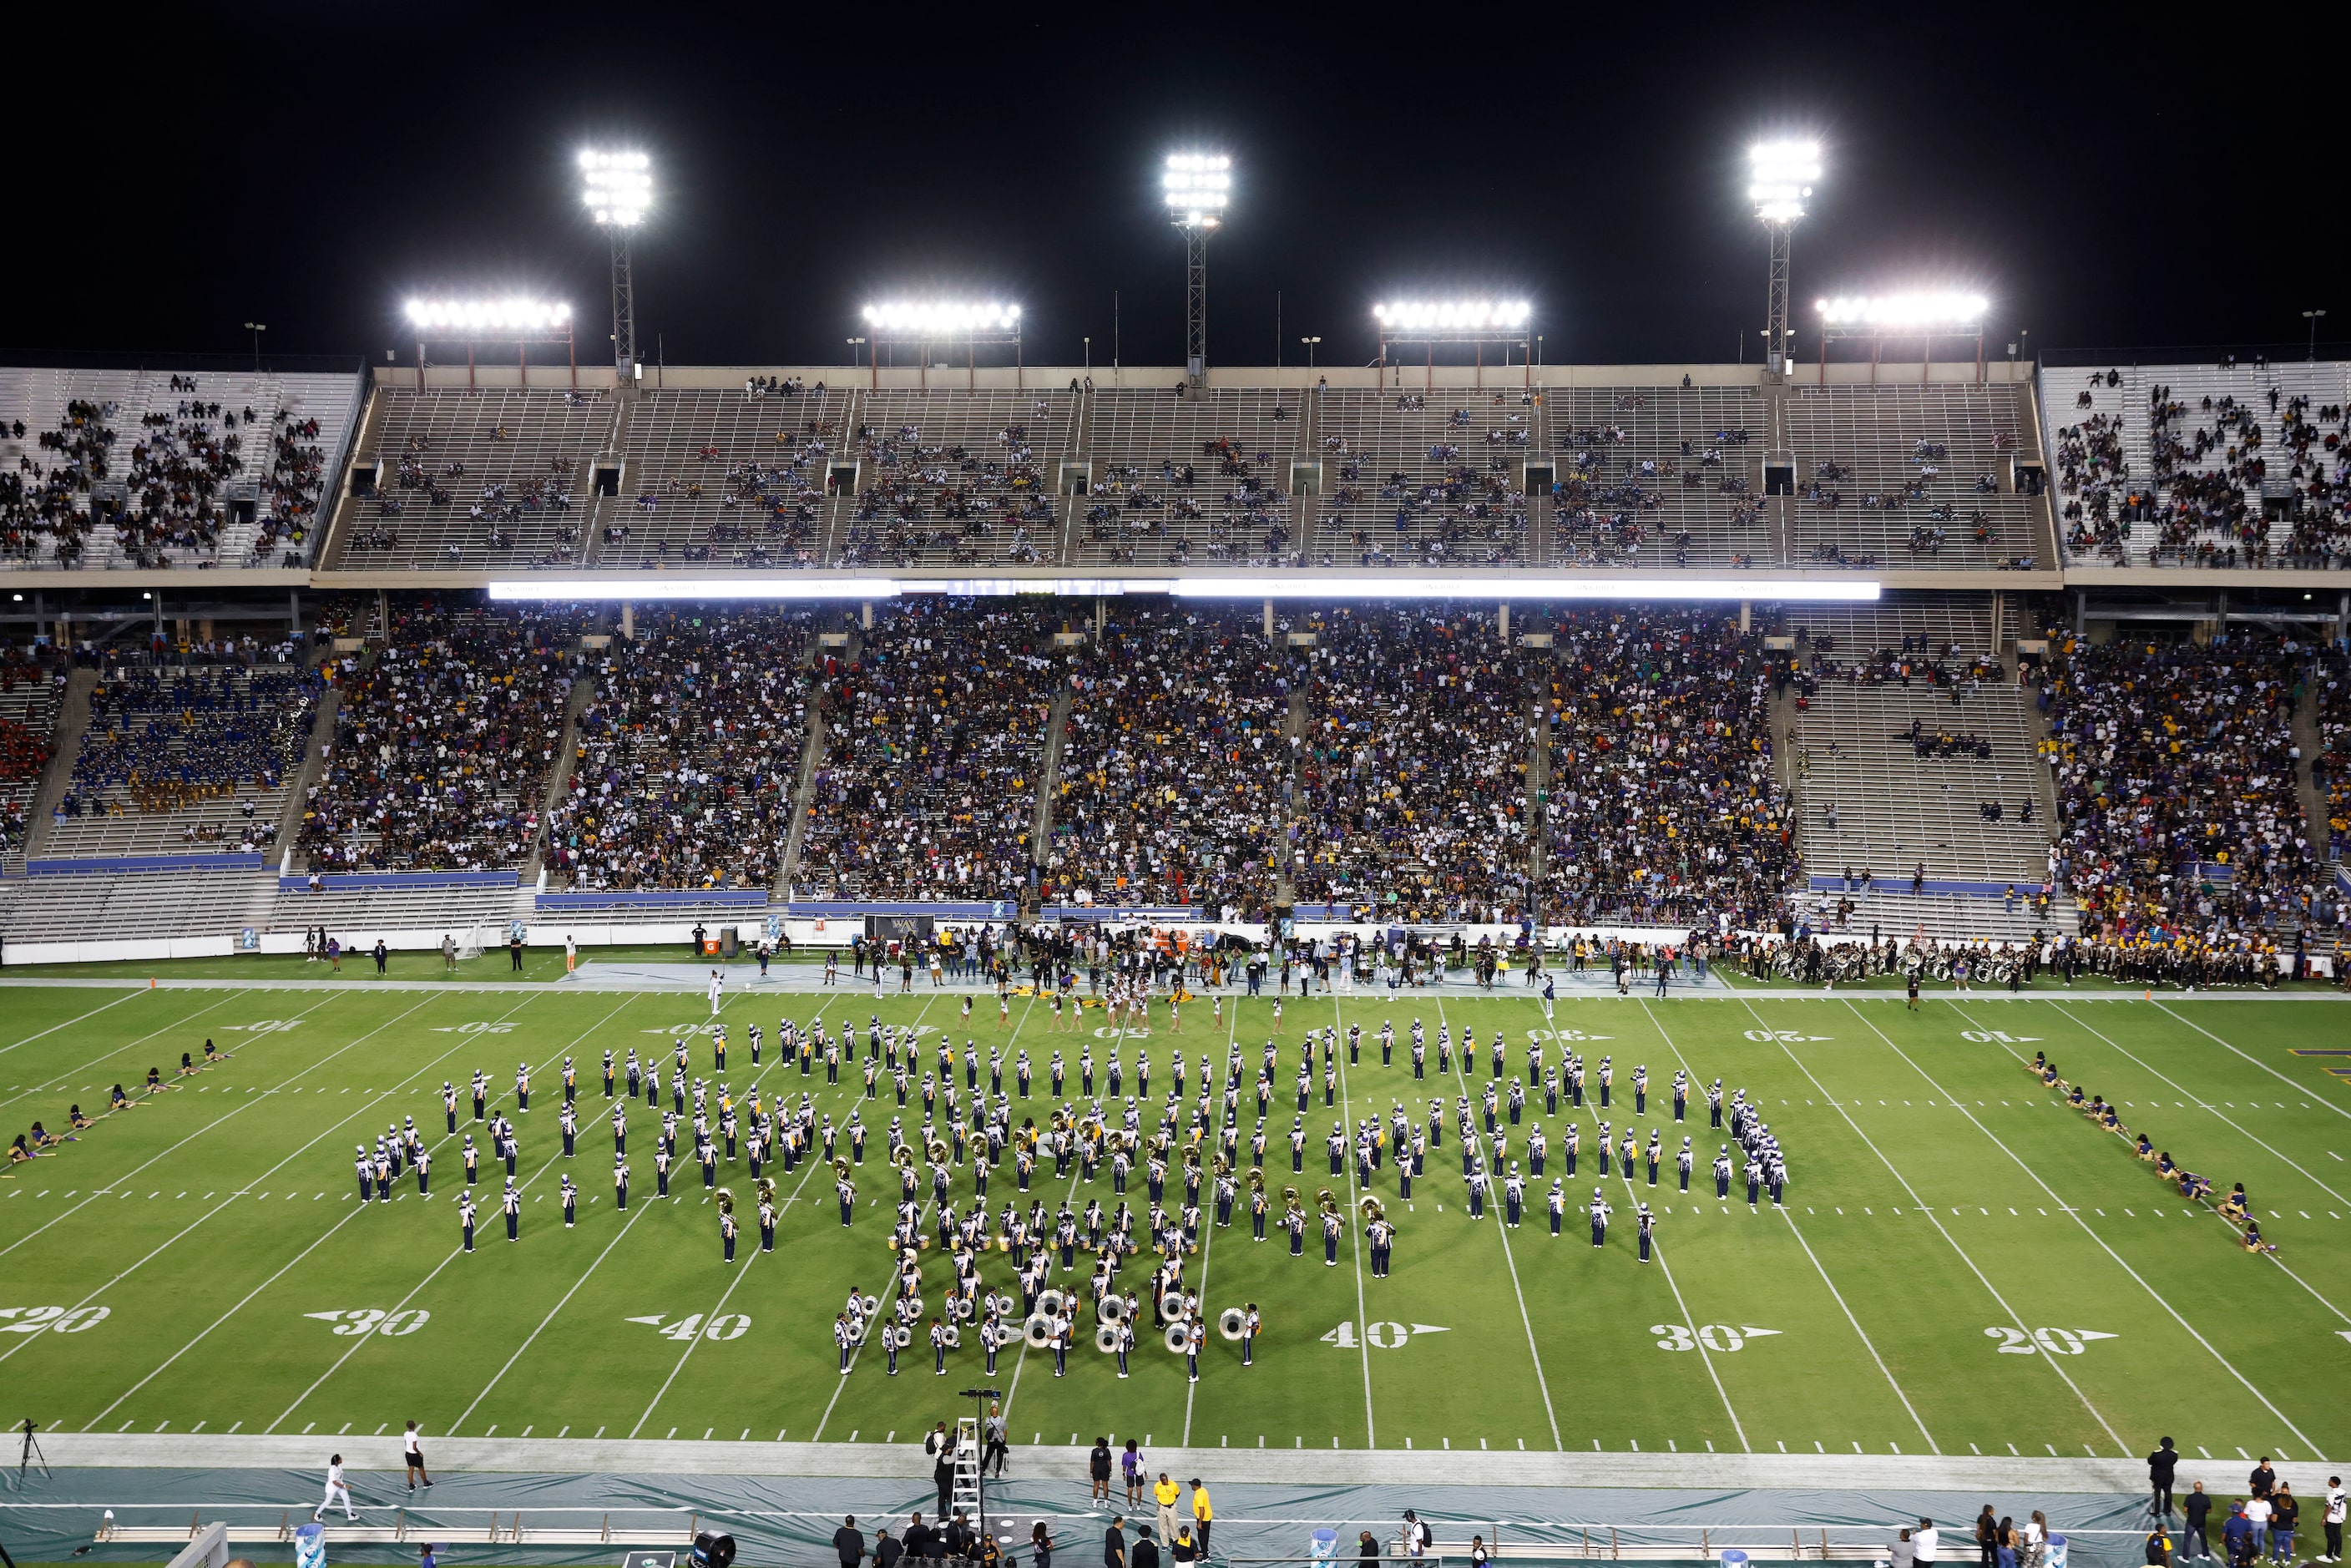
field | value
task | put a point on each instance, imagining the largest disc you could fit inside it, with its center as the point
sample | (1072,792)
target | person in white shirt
(336,1489)
(412,1445)
(1923,1543)
(570,955)
(716,987)
(2333,1519)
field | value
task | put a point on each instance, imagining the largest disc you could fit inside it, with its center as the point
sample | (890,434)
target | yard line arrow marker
(1759,1333)
(654,1319)
(323,1317)
(2090,1334)
(1429,1328)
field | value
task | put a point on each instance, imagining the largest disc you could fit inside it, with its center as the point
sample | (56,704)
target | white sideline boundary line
(1927,1209)
(2084,1225)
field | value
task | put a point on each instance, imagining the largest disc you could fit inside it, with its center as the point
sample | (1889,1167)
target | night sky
(2125,177)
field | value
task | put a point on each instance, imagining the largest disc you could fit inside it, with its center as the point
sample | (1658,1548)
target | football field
(1962,1264)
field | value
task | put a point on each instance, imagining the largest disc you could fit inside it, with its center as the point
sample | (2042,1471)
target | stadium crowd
(945,500)
(48,500)
(1176,770)
(1663,803)
(1413,777)
(443,742)
(162,740)
(688,754)
(2176,789)
(933,747)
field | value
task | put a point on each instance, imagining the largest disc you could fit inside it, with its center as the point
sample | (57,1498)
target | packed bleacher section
(186,760)
(1664,805)
(935,740)
(1896,476)
(160,469)
(2230,465)
(688,754)
(444,737)
(1192,478)
(1648,475)
(711,477)
(1412,777)
(1423,480)
(2178,798)
(2331,767)
(1174,785)
(29,692)
(957,478)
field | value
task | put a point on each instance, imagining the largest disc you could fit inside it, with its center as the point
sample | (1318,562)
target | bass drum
(952,1337)
(1177,1338)
(1111,1309)
(1231,1322)
(1105,1339)
(1038,1331)
(1052,1302)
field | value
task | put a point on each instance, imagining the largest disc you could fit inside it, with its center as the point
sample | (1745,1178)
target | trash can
(730,941)
(1734,1559)
(2056,1554)
(1322,1546)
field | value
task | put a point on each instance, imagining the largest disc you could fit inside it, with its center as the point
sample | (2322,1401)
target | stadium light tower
(1197,185)
(1780,181)
(618,188)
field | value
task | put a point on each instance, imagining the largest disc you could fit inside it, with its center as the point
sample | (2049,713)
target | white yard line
(1526,1320)
(1208,1227)
(71,1073)
(2153,1294)
(319,1241)
(108,1183)
(2270,1257)
(1927,1209)
(454,1253)
(70,1022)
(889,1291)
(333,1130)
(814,1160)
(2257,1062)
(1789,1214)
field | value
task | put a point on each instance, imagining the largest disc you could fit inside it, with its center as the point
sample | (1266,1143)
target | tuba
(1326,1202)
(1371,1209)
(840,1169)
(726,1200)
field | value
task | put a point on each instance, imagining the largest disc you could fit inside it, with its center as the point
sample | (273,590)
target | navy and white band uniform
(465,1218)
(1714,1104)
(512,1203)
(449,1102)
(1599,1211)
(1381,1236)
(571,1203)
(1722,1173)
(619,1181)
(1557,1204)
(1684,1161)
(481,1092)
(1196,1335)
(522,1086)
(1681,1092)
(1648,1222)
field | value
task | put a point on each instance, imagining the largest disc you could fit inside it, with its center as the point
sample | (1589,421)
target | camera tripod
(31,1455)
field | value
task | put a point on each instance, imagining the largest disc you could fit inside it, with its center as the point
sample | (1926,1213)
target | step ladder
(968,1456)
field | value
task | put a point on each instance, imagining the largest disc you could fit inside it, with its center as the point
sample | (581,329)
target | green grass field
(1963,1265)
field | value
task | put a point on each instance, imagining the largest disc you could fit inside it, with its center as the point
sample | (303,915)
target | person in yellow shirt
(1165,1492)
(1203,1515)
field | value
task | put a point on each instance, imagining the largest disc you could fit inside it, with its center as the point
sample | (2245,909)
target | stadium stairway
(2314,797)
(73,723)
(314,763)
(558,777)
(1049,777)
(811,753)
